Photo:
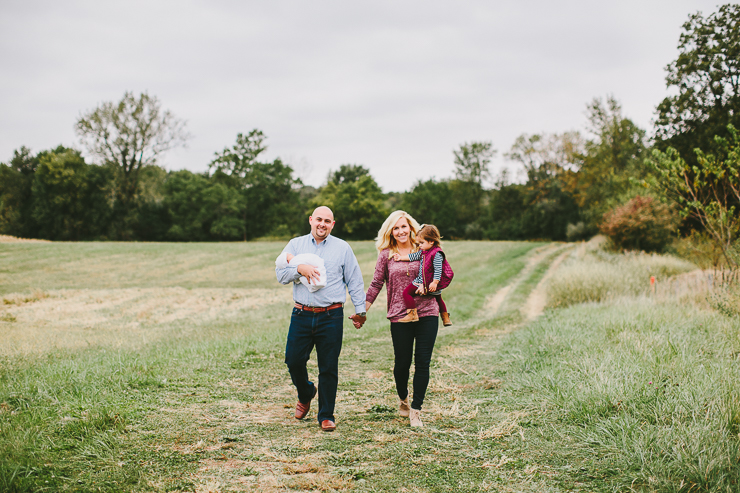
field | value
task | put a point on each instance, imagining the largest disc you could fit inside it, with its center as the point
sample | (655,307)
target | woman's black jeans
(424,332)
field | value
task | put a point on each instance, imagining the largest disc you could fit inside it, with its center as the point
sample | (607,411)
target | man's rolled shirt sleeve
(353,280)
(290,273)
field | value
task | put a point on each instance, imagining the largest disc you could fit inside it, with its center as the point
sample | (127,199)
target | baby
(285,259)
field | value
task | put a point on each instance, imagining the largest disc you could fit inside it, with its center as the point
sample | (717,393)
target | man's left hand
(358,320)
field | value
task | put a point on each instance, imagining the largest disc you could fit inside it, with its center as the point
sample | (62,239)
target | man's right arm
(289,273)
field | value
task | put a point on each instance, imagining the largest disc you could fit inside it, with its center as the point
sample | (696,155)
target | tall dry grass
(593,274)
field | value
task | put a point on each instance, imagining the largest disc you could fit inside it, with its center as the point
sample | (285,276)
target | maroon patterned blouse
(396,276)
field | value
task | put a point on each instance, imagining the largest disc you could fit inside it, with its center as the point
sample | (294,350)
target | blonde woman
(398,235)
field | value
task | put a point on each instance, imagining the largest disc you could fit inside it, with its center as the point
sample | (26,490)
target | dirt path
(265,449)
(495,301)
(537,299)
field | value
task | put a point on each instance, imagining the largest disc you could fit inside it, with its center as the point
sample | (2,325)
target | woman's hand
(368,305)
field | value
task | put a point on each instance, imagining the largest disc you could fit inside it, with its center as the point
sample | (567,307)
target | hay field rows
(158,367)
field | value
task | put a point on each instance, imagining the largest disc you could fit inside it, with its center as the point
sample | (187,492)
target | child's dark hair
(430,233)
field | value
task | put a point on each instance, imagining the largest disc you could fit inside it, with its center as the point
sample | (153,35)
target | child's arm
(411,257)
(437,263)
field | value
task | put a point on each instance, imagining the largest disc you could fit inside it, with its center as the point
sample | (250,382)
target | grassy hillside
(159,367)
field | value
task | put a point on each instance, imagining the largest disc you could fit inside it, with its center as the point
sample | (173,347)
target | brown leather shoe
(301,409)
(446,319)
(328,425)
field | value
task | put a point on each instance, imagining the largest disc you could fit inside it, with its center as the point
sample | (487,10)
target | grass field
(159,367)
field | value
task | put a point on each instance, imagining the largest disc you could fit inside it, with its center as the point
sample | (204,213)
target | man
(317,318)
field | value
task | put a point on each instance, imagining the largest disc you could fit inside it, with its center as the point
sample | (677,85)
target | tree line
(607,177)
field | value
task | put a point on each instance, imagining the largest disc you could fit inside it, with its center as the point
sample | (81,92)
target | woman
(398,235)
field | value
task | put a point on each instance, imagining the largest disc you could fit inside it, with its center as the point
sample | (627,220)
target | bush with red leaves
(642,223)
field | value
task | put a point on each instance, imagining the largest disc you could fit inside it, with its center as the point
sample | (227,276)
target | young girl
(435,273)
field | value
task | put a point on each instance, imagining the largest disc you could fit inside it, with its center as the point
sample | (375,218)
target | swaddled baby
(304,258)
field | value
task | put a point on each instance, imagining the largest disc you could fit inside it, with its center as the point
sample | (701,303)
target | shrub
(642,223)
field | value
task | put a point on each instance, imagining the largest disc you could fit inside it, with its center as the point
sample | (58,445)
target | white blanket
(305,258)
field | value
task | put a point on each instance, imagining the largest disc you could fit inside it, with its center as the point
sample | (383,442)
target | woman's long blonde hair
(385,237)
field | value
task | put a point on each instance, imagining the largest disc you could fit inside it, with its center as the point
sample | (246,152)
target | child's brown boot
(446,319)
(411,316)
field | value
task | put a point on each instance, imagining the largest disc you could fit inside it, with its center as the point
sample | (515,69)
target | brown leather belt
(318,309)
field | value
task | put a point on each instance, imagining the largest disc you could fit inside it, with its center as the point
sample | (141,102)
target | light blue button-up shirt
(341,269)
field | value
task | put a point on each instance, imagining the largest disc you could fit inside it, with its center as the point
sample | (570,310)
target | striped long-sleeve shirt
(436,262)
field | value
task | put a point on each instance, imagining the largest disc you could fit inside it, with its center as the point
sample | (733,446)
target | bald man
(317,319)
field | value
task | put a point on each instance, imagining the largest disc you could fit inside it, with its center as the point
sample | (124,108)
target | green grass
(645,395)
(626,394)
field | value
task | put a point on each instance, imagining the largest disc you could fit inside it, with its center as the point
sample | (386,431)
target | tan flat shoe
(404,408)
(415,418)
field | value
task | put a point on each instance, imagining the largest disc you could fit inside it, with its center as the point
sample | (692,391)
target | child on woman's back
(435,273)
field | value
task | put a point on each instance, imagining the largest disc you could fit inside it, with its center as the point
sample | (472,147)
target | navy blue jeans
(324,330)
(424,332)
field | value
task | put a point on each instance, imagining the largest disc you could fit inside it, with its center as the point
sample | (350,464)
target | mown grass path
(245,437)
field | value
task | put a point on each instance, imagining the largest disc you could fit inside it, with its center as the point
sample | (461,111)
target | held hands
(310,272)
(358,320)
(433,286)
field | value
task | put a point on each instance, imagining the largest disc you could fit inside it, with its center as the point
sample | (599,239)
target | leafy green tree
(548,198)
(609,162)
(71,199)
(472,162)
(150,218)
(348,173)
(549,205)
(201,209)
(706,80)
(431,202)
(357,206)
(505,213)
(16,180)
(128,136)
(237,161)
(708,191)
(271,203)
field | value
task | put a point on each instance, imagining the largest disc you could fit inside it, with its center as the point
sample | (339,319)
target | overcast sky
(394,86)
